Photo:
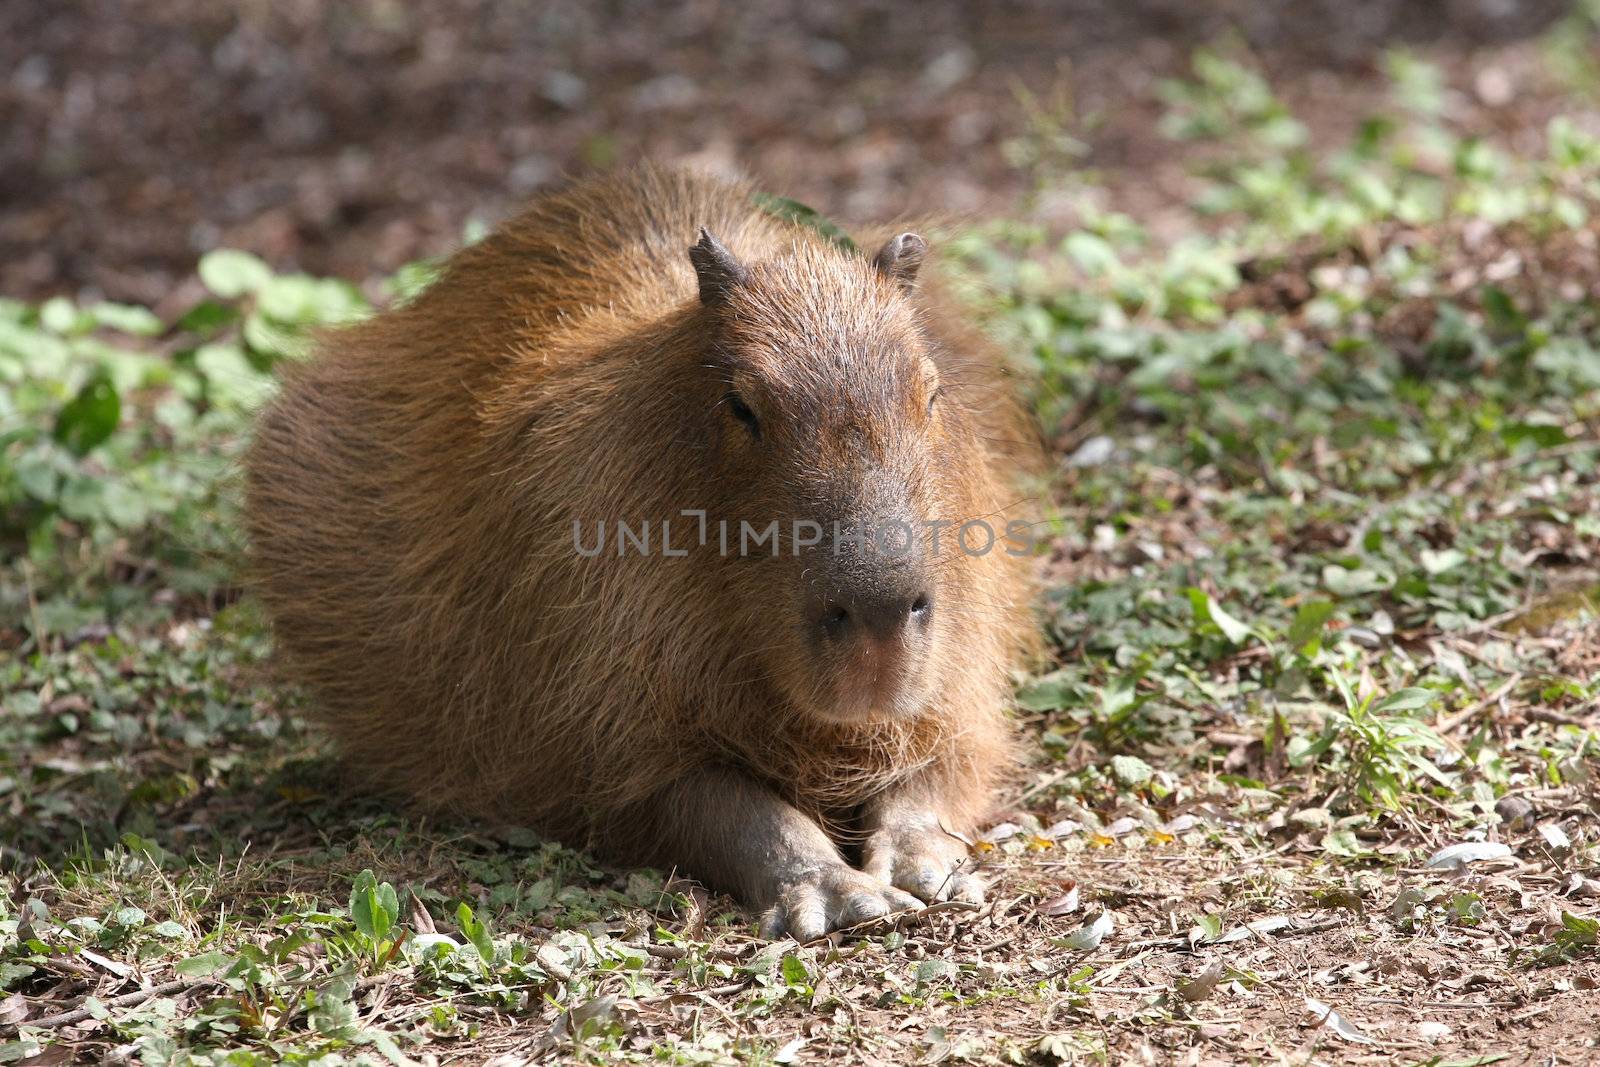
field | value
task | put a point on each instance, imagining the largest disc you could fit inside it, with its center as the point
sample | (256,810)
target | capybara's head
(844,461)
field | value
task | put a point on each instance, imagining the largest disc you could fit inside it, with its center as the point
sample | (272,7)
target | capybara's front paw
(928,863)
(833,897)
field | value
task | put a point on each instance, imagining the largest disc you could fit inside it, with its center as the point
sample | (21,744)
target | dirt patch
(347,139)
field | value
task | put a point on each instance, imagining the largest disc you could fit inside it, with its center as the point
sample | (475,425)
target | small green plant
(1228,101)
(1379,741)
(1578,935)
(476,931)
(118,430)
(375,909)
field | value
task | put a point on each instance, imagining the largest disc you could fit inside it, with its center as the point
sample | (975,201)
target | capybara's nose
(882,617)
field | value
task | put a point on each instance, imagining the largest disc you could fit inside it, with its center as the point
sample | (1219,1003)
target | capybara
(657,523)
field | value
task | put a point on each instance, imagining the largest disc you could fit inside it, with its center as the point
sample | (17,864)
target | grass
(1312,767)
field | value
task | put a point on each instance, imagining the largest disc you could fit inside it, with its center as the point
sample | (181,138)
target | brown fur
(412,493)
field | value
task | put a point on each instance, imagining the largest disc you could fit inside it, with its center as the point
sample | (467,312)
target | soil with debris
(347,139)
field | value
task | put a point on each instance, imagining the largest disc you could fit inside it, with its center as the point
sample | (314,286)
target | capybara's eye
(742,412)
(933,398)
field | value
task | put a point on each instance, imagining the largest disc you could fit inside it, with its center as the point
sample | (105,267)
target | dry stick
(678,952)
(1278,935)
(1555,718)
(1471,711)
(713,991)
(1004,942)
(138,996)
(911,916)
(1117,968)
(72,967)
(1034,790)
(40,636)
(1462,1006)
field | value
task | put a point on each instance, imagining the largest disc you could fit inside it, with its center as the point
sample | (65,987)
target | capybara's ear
(901,257)
(716,269)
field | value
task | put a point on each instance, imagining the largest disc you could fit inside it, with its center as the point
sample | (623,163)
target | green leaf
(89,418)
(207,316)
(1091,252)
(933,970)
(124,506)
(1539,434)
(1579,930)
(1466,908)
(17,1051)
(203,964)
(127,318)
(81,499)
(1342,581)
(1046,694)
(374,906)
(333,1014)
(268,338)
(1343,843)
(231,273)
(802,215)
(1119,695)
(386,1045)
(410,280)
(1503,311)
(794,972)
(59,315)
(230,376)
(38,474)
(13,973)
(1305,631)
(1405,700)
(297,299)
(476,932)
(1206,929)
(1440,560)
(1580,924)
(1208,610)
(1131,771)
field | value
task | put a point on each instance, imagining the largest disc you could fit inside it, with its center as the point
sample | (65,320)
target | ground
(1311,761)
(347,139)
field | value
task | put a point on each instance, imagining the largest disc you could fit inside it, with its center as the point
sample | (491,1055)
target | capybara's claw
(930,864)
(829,899)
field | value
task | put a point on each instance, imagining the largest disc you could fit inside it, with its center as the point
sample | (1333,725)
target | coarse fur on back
(415,492)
